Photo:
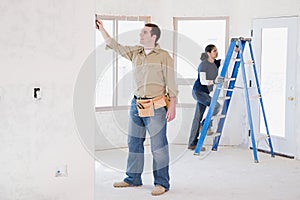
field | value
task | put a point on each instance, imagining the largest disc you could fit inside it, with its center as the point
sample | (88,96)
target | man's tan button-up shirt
(153,73)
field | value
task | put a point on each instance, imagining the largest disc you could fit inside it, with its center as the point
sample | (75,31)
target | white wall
(43,44)
(241,13)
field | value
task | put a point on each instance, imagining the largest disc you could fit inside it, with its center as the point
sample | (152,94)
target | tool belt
(146,106)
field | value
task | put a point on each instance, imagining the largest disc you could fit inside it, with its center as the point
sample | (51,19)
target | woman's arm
(203,79)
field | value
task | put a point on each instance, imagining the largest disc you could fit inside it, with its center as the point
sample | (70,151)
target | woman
(207,73)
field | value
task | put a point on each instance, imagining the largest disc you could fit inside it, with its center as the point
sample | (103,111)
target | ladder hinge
(251,32)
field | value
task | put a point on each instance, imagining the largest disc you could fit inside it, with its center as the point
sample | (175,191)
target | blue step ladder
(238,62)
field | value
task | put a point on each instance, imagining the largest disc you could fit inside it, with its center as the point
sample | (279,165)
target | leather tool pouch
(145,107)
(159,102)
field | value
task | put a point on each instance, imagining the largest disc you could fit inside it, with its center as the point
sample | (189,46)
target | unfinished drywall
(43,44)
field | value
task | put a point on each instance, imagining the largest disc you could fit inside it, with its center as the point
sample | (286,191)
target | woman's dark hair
(208,48)
(154,31)
(203,56)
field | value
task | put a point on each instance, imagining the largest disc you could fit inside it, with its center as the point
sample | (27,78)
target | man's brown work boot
(158,190)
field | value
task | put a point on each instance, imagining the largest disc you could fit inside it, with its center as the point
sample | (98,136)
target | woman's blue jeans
(156,126)
(203,100)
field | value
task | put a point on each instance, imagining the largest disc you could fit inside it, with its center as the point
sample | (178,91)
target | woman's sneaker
(193,147)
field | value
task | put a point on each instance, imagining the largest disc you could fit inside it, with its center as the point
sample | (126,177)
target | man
(153,77)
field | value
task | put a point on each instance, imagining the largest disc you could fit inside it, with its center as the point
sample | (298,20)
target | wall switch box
(37,93)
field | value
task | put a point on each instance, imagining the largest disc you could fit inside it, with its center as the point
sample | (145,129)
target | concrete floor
(229,173)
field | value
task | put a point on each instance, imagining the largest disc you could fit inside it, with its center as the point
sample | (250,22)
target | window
(273,77)
(193,34)
(113,87)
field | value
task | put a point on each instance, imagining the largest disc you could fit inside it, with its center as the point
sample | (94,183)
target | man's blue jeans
(156,127)
(203,100)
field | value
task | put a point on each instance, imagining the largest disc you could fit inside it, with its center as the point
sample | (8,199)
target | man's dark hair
(154,31)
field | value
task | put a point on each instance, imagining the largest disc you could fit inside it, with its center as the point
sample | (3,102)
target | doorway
(274,42)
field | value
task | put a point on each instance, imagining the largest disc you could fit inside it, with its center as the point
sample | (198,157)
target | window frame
(190,81)
(115,62)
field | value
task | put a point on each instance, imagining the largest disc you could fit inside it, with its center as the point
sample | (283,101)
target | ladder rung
(237,59)
(230,79)
(211,135)
(224,98)
(245,39)
(258,96)
(227,89)
(214,135)
(240,39)
(249,62)
(238,87)
(218,116)
(217,134)
(241,87)
(261,137)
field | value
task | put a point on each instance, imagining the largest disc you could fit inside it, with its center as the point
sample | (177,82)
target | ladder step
(239,87)
(261,137)
(214,135)
(227,89)
(211,135)
(224,98)
(232,79)
(248,62)
(218,116)
(258,96)
(245,39)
